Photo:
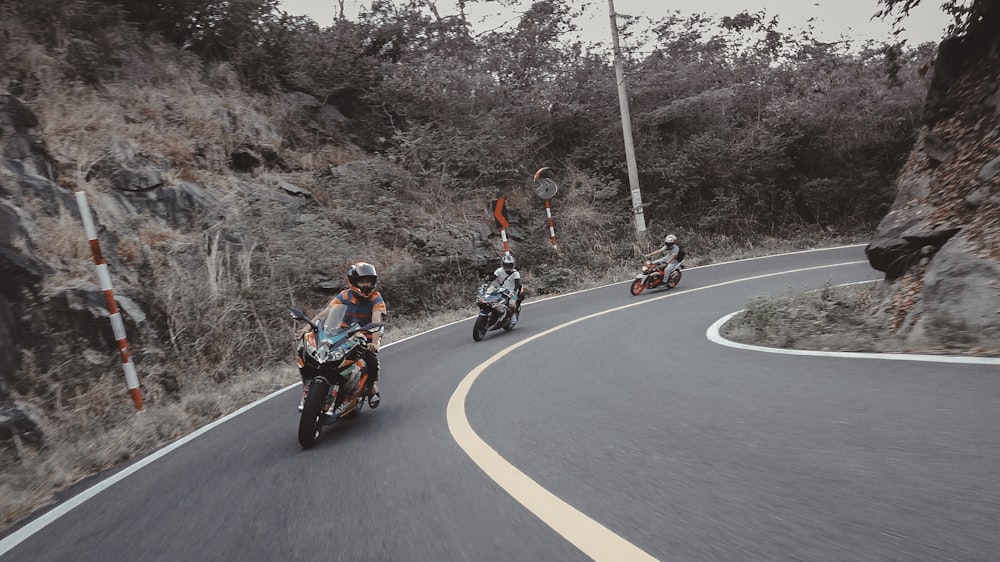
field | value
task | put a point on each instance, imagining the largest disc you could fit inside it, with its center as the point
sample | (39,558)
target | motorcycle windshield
(491,292)
(334,326)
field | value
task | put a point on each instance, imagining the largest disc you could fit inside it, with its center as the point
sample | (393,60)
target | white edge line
(61,509)
(713,335)
(563,295)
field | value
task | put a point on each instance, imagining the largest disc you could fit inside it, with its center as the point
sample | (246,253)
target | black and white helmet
(670,240)
(507,263)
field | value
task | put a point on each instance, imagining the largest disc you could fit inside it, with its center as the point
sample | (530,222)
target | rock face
(41,329)
(24,169)
(939,245)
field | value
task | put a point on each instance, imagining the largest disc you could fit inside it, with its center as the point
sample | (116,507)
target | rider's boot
(373,396)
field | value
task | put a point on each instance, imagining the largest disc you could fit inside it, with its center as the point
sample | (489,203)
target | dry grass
(844,319)
(62,240)
(181,121)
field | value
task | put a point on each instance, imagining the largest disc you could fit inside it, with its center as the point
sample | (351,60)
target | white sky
(833,18)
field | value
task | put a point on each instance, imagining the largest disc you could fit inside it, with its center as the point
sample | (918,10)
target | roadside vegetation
(846,318)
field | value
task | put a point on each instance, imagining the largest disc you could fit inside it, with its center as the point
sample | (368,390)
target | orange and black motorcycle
(333,371)
(651,277)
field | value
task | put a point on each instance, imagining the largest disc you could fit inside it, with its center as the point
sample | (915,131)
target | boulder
(182,205)
(961,288)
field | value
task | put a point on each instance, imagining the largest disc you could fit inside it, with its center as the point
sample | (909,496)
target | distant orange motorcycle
(651,277)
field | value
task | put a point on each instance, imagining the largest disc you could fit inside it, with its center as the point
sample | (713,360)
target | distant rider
(364,304)
(672,255)
(508,277)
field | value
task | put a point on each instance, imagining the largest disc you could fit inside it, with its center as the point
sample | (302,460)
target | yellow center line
(592,538)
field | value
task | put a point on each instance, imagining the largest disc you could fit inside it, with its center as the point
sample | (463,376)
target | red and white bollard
(506,245)
(117,326)
(552,228)
(547,189)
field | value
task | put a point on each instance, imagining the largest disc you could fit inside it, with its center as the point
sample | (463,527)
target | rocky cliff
(939,245)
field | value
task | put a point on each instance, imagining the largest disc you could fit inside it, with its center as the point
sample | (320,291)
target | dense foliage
(740,127)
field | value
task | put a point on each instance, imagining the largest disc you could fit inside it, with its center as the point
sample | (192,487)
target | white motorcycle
(495,312)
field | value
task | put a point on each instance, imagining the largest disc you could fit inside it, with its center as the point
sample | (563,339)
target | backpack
(680,253)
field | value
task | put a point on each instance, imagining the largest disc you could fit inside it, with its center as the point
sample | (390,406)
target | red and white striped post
(131,378)
(552,229)
(500,216)
(506,245)
(546,189)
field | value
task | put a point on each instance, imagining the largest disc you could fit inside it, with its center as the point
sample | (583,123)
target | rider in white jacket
(507,277)
(671,255)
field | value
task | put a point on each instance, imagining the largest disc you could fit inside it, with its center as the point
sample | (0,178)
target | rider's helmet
(507,263)
(670,240)
(362,278)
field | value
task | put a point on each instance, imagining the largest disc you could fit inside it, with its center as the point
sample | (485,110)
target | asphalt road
(631,419)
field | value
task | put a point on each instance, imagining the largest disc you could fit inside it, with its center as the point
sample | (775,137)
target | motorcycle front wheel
(311,419)
(637,287)
(479,330)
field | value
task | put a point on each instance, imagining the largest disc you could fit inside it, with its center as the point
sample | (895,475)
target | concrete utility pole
(633,170)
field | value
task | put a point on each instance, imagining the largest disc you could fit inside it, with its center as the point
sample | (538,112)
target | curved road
(604,426)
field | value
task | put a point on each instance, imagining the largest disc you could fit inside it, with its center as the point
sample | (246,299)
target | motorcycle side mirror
(297,314)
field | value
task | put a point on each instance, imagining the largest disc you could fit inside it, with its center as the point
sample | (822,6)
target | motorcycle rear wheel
(674,279)
(637,287)
(479,330)
(509,325)
(311,419)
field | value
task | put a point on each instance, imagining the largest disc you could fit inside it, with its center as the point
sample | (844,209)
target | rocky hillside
(209,240)
(939,245)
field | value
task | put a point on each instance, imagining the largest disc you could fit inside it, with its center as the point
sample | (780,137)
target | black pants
(371,363)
